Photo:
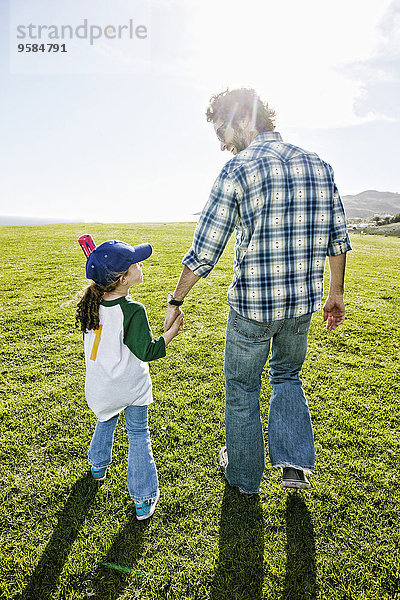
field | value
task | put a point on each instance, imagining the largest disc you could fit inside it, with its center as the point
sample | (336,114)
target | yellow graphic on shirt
(96,342)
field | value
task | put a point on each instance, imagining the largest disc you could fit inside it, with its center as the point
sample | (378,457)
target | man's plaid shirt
(288,217)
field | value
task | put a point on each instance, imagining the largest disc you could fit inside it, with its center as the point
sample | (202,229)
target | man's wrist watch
(171,300)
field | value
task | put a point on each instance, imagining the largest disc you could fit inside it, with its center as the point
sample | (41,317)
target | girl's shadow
(106,583)
(112,573)
(43,582)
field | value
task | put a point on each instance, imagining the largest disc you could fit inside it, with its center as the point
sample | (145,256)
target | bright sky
(115,131)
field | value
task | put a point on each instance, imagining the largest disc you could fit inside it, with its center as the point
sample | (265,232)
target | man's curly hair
(231,106)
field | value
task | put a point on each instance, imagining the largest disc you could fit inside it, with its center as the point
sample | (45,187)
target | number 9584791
(42,48)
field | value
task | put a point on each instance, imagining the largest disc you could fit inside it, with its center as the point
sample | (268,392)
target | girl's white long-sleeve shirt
(116,357)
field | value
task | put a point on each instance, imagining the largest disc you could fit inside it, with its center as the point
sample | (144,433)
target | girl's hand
(174,330)
(177,325)
(172,313)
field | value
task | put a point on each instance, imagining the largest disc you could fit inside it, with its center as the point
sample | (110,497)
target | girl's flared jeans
(290,434)
(142,473)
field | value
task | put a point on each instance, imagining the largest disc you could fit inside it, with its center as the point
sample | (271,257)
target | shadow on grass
(301,573)
(43,581)
(239,569)
(108,583)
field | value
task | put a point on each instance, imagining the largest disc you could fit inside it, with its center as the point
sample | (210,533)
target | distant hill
(370,203)
(7,220)
(365,205)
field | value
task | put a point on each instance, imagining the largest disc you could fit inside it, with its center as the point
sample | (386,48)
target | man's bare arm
(333,311)
(185,284)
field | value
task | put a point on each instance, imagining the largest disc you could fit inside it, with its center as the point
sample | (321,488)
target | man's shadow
(43,582)
(301,572)
(239,569)
(112,573)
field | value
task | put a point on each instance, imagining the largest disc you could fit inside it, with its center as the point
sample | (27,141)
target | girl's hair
(87,312)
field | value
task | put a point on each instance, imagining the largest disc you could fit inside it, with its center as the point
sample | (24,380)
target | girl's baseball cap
(107,261)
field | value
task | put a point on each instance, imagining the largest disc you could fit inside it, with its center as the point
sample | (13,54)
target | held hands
(333,311)
(174,328)
(177,325)
(172,313)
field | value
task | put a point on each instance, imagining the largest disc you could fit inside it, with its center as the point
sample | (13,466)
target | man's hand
(174,330)
(333,311)
(172,313)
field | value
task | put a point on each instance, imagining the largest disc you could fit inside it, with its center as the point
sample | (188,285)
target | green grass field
(338,540)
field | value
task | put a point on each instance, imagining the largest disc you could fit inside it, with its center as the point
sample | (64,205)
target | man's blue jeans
(290,435)
(142,473)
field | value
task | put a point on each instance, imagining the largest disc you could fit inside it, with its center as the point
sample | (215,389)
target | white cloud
(390,31)
(380,73)
(295,54)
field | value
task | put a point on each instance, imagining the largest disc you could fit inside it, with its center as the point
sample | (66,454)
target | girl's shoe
(145,509)
(98,474)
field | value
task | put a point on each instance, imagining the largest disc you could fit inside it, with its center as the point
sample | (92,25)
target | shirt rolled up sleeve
(216,223)
(339,241)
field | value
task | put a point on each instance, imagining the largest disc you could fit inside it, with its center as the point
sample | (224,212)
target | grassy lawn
(338,540)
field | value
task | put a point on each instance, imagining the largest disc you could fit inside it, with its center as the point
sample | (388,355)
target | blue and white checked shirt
(288,216)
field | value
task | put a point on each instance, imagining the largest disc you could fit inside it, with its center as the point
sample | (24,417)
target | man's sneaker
(223,459)
(145,509)
(98,474)
(294,478)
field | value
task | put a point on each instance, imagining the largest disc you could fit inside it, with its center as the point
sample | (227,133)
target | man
(286,209)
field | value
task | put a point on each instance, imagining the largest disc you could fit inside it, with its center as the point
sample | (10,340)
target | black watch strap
(171,300)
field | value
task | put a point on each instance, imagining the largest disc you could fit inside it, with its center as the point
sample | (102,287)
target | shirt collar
(267,136)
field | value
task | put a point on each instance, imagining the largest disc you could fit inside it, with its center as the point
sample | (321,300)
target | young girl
(118,344)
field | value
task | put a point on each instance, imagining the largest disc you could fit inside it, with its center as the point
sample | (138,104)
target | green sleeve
(137,333)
